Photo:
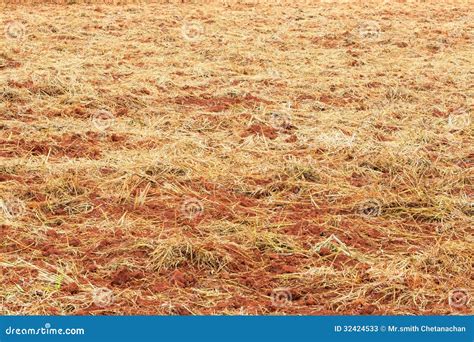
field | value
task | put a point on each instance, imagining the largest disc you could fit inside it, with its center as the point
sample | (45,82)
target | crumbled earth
(236,158)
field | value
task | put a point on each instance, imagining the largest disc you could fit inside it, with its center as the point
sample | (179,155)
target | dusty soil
(248,158)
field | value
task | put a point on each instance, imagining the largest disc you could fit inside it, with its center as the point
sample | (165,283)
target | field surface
(236,158)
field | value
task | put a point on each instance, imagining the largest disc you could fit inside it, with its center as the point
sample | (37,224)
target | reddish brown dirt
(219,104)
(262,130)
(96,215)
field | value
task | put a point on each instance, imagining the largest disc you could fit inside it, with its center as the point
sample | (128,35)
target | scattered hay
(292,147)
(173,252)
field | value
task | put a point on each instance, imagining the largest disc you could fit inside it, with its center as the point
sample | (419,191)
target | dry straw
(169,175)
